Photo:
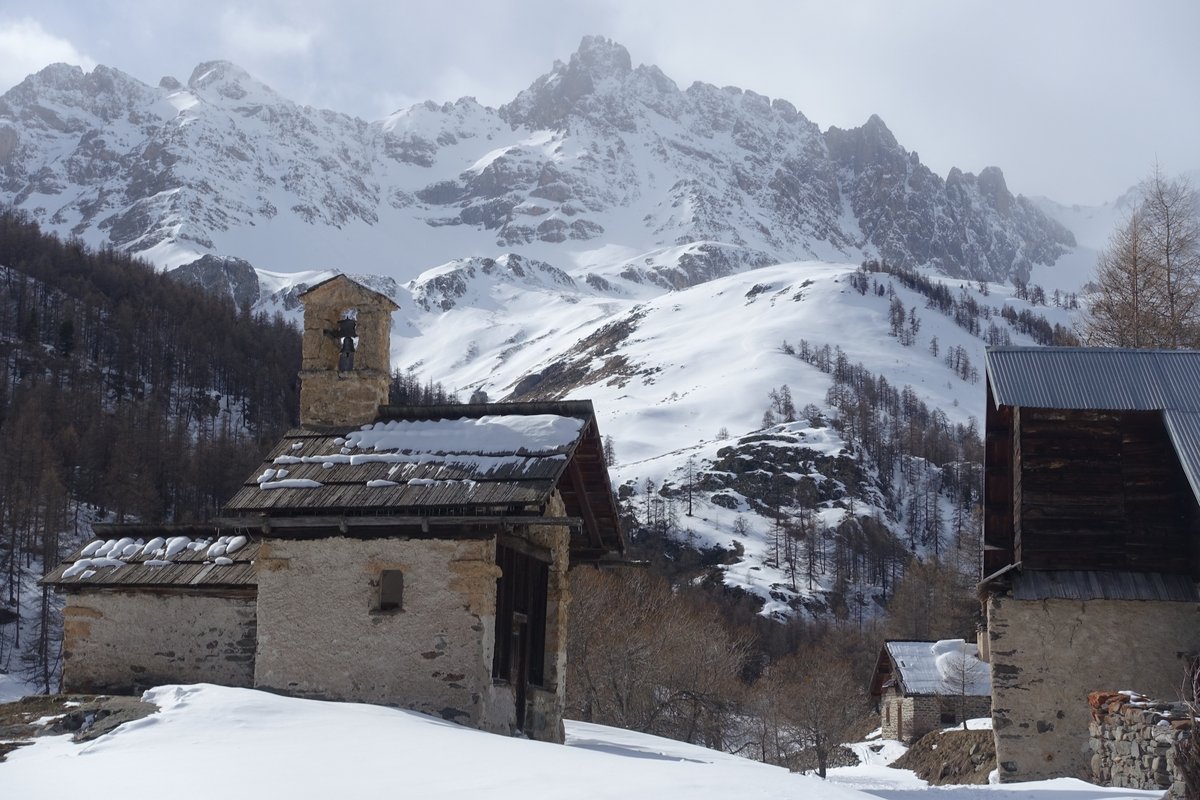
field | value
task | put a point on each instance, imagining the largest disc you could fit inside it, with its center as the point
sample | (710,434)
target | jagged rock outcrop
(967,226)
(234,277)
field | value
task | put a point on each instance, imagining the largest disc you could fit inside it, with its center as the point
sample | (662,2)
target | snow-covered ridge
(595,157)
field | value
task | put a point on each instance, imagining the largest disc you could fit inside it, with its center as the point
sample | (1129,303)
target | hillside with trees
(124,396)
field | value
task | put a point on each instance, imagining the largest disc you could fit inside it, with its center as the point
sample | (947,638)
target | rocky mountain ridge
(595,157)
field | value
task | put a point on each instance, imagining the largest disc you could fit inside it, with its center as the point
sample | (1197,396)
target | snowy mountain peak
(598,64)
(593,164)
(214,80)
(601,57)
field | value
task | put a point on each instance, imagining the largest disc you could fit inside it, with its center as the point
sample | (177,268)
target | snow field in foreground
(239,743)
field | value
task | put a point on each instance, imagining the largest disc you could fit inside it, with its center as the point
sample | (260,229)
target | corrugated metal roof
(918,673)
(1095,378)
(187,568)
(1098,585)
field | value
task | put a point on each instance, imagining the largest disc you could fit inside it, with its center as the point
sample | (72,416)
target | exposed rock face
(226,276)
(595,152)
(966,225)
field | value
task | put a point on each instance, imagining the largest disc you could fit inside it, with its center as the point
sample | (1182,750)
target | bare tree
(1147,291)
(963,675)
(1173,232)
(820,701)
(1187,747)
(650,659)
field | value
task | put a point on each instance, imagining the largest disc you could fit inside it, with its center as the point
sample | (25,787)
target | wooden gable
(1085,488)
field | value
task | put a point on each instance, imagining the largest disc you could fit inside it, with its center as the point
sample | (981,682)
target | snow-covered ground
(212,741)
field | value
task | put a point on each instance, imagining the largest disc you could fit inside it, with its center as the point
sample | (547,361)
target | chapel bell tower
(346,364)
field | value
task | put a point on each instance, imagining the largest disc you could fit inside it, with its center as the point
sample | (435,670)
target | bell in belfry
(347,331)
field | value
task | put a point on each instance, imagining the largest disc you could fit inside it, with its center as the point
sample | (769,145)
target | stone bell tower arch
(346,361)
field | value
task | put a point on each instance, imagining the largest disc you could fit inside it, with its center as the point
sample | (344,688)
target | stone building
(1091,541)
(409,556)
(925,686)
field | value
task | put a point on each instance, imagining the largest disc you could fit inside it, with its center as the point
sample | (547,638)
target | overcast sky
(1074,100)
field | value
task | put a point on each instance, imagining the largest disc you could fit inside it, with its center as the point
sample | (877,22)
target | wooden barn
(922,686)
(413,556)
(1091,540)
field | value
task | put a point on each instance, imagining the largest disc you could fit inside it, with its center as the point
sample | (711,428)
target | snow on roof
(487,435)
(499,455)
(174,557)
(450,461)
(948,666)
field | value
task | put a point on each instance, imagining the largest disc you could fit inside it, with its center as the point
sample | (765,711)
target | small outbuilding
(414,556)
(1091,541)
(925,686)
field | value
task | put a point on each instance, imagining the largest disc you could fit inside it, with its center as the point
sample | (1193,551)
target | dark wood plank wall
(997,488)
(1100,490)
(1159,503)
(1015,474)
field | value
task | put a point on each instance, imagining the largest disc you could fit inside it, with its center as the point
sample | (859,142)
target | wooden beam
(591,528)
(424,523)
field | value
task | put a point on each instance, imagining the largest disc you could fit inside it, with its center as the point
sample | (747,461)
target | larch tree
(1147,289)
(1122,309)
(1173,239)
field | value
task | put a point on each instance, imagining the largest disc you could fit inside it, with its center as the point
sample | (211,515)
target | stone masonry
(329,396)
(1049,655)
(320,635)
(1133,741)
(920,714)
(121,642)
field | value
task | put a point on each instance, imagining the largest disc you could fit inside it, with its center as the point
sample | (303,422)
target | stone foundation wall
(1133,741)
(924,717)
(321,635)
(891,711)
(920,714)
(1048,655)
(124,642)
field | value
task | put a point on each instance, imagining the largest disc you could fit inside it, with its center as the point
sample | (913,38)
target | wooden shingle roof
(416,463)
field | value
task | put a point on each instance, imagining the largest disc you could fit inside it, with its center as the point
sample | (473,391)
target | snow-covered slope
(681,379)
(596,162)
(237,743)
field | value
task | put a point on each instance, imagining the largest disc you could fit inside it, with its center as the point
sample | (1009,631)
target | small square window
(949,718)
(391,590)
